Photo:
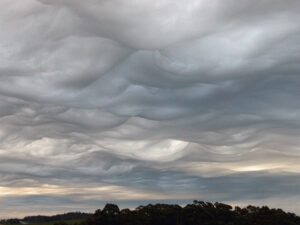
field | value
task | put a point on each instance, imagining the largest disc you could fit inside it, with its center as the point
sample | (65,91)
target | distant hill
(46,219)
(66,216)
(196,213)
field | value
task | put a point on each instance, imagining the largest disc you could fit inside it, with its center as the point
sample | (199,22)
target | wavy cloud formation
(138,101)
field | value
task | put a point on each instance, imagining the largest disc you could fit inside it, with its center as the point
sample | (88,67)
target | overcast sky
(145,101)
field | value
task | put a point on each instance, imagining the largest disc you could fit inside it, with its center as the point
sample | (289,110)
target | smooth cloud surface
(139,101)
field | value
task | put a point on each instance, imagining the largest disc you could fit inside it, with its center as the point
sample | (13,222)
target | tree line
(196,213)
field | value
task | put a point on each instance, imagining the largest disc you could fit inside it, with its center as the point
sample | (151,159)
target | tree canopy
(197,213)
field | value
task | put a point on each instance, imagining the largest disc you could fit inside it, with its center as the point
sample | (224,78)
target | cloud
(156,99)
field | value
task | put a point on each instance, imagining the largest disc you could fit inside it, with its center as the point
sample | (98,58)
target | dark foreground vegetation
(197,213)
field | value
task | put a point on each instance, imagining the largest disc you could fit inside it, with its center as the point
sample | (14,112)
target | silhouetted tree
(197,213)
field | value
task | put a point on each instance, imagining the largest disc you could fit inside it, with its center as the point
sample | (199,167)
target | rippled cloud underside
(148,101)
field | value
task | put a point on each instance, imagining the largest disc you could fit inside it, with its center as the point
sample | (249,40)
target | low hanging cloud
(148,101)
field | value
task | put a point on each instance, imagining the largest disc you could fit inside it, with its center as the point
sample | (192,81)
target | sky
(137,102)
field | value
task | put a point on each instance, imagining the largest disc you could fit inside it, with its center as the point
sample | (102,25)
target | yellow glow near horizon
(103,192)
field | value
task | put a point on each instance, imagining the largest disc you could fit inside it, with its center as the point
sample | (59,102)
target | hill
(196,213)
(69,218)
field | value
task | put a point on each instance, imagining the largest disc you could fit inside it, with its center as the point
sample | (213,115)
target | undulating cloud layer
(144,101)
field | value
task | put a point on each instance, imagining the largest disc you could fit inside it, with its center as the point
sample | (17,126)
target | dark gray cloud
(148,101)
